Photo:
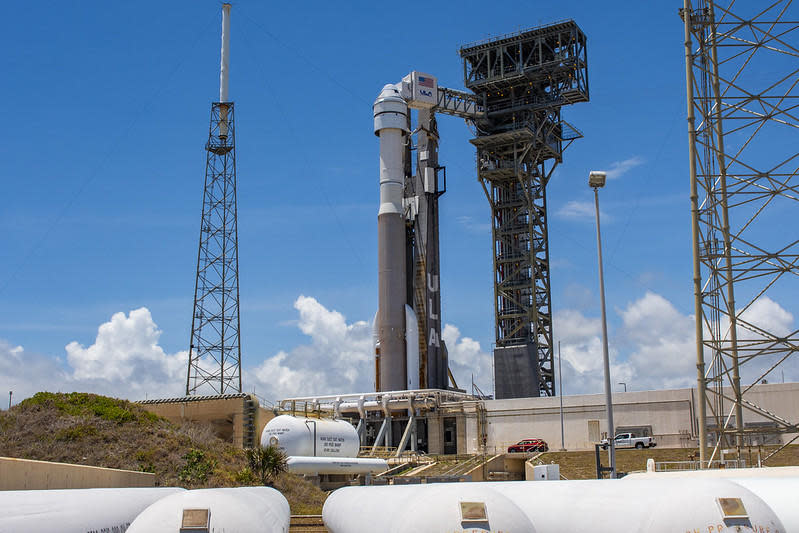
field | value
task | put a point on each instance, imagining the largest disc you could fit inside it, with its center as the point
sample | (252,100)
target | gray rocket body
(391,125)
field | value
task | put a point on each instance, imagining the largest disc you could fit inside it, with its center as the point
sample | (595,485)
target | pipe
(224,69)
(391,125)
(335,465)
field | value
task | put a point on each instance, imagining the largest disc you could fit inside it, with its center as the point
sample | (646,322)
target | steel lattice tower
(215,350)
(743,126)
(522,81)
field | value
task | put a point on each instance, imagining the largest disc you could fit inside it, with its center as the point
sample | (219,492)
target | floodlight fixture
(596,178)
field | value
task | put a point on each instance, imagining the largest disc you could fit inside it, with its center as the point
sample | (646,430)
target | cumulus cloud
(651,347)
(26,373)
(126,350)
(654,346)
(467,359)
(338,358)
(581,353)
(125,360)
(618,168)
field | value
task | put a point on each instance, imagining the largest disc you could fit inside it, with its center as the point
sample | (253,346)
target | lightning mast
(743,129)
(215,350)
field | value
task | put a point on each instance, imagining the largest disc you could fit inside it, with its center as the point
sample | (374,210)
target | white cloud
(125,360)
(664,348)
(467,359)
(618,168)
(579,210)
(576,209)
(473,226)
(338,359)
(126,349)
(26,373)
(652,347)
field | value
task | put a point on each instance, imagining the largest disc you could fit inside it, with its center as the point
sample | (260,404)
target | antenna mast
(214,350)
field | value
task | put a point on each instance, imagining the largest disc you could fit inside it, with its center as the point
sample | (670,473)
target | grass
(95,430)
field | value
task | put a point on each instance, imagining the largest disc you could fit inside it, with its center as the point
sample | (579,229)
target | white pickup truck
(628,440)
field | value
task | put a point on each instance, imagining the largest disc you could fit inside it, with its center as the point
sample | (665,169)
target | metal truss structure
(521,82)
(215,351)
(743,114)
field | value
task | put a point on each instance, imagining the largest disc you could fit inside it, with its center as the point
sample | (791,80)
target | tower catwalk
(522,80)
(215,351)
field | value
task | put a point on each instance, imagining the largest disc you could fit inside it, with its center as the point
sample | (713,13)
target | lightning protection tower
(743,127)
(522,80)
(215,350)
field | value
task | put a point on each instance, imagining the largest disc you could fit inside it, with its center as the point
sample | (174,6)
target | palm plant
(267,462)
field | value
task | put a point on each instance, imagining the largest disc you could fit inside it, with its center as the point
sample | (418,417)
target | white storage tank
(311,437)
(75,510)
(597,506)
(226,510)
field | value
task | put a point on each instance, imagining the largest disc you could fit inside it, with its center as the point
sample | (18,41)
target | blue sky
(107,107)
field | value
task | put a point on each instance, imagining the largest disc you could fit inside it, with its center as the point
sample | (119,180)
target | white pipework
(608,506)
(232,510)
(75,510)
(360,405)
(309,437)
(335,465)
(412,347)
(224,70)
(384,402)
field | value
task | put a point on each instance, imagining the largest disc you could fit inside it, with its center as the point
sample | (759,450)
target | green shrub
(197,467)
(245,477)
(73,433)
(83,404)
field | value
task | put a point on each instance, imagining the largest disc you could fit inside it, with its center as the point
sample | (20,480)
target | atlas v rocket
(409,352)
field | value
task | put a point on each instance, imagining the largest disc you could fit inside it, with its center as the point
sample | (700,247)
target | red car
(528,445)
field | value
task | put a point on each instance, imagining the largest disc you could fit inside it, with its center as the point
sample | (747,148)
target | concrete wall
(226,414)
(26,474)
(670,413)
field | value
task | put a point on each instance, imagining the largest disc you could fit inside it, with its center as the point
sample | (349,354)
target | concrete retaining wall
(26,474)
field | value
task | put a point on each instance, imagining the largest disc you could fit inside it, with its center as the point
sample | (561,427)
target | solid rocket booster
(391,125)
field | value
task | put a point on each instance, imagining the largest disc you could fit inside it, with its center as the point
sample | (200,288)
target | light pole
(625,385)
(596,180)
(560,394)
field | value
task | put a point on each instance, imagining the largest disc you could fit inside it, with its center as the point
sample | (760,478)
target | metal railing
(667,466)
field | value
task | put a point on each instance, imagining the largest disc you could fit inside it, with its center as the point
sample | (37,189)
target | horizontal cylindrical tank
(588,506)
(334,465)
(75,510)
(777,486)
(228,510)
(311,437)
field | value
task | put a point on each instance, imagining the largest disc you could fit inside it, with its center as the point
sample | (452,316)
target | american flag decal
(426,82)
